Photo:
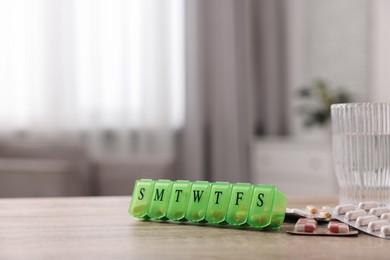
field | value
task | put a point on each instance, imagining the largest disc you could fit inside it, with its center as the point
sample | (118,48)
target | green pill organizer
(260,206)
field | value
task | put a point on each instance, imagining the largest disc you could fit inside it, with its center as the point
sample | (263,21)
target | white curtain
(109,70)
(220,81)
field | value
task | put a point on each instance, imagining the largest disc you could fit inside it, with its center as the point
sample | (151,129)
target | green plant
(318,99)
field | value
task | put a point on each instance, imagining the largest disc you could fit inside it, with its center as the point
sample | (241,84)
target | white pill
(379,211)
(364,220)
(385,230)
(367,205)
(343,228)
(354,214)
(377,224)
(342,209)
(385,216)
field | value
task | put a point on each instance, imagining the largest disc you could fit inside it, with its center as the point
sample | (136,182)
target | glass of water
(361,151)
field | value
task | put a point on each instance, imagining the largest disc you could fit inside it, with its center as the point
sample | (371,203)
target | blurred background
(95,94)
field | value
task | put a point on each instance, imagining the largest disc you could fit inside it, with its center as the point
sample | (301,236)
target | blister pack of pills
(310,212)
(239,204)
(310,227)
(367,216)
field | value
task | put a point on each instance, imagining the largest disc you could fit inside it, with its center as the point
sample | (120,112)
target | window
(87,66)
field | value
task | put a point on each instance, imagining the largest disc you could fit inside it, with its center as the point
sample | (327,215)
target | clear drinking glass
(361,151)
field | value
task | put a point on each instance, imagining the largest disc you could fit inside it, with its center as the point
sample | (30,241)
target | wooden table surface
(100,228)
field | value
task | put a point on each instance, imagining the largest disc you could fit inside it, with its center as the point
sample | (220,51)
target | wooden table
(100,228)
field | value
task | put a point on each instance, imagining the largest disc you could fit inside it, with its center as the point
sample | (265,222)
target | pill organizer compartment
(161,194)
(141,198)
(219,202)
(239,204)
(179,200)
(199,198)
(261,206)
